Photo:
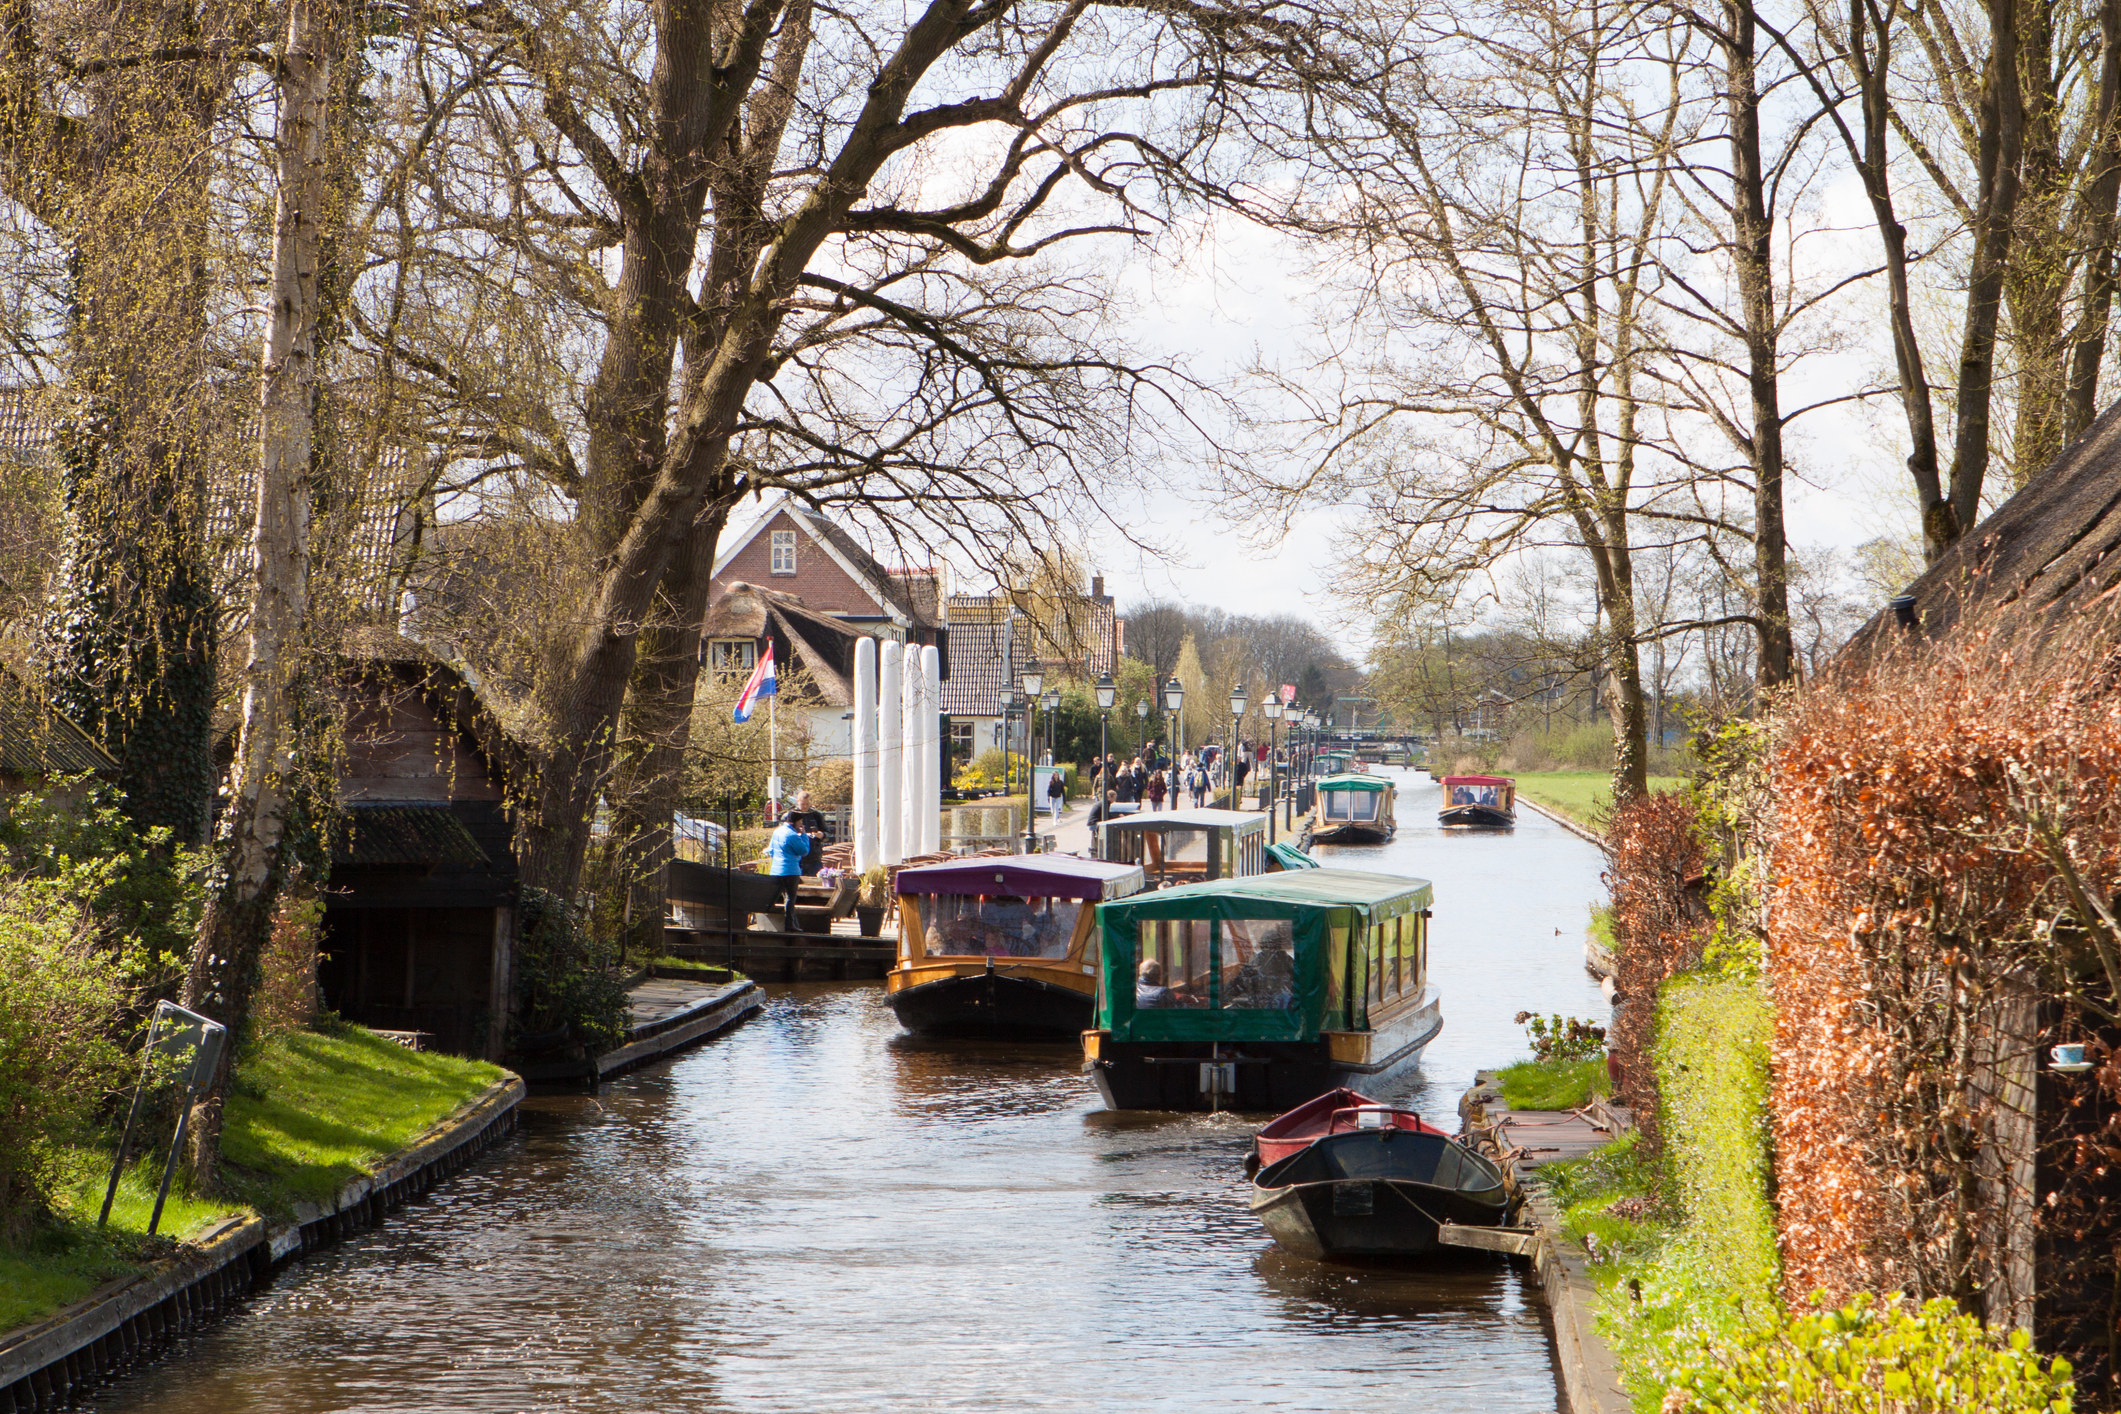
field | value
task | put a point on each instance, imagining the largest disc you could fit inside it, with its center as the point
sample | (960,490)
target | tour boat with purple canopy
(1002,946)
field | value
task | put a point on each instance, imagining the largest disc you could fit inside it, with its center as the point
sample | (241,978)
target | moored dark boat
(1377,1191)
(1002,947)
(1487,801)
(1330,1113)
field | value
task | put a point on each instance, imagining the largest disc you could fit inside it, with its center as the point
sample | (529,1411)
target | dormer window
(784,552)
(732,658)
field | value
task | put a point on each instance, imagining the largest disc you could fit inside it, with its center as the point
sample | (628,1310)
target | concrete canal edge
(1585,1371)
(1582,832)
(46,1365)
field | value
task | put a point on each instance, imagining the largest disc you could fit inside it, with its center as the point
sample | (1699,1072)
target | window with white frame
(784,552)
(732,657)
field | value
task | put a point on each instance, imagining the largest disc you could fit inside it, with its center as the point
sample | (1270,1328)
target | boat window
(1476,795)
(968,925)
(1173,967)
(1337,804)
(1365,803)
(1259,964)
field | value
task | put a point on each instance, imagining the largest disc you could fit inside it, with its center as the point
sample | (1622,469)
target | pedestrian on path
(785,850)
(1156,790)
(1057,791)
(1200,787)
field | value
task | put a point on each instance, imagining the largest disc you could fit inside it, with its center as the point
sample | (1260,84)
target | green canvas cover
(1327,911)
(1353,780)
(1291,857)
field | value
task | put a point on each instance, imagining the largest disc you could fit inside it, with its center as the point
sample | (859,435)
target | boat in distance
(1002,946)
(1377,1189)
(1486,801)
(1261,993)
(1313,1120)
(1353,807)
(1188,846)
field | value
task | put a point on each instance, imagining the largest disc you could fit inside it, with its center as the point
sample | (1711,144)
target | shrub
(830,781)
(1562,1038)
(563,978)
(1870,1357)
(59,997)
(1662,928)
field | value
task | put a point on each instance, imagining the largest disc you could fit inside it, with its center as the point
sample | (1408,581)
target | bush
(1870,1357)
(563,978)
(1562,1038)
(59,996)
(1712,1072)
(830,781)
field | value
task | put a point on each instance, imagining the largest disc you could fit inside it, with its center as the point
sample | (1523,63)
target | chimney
(1097,586)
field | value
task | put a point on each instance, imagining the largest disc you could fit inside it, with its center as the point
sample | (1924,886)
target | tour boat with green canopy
(1187,846)
(1353,808)
(1261,993)
(1001,946)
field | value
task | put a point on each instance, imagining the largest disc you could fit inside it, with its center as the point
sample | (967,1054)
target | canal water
(815,1213)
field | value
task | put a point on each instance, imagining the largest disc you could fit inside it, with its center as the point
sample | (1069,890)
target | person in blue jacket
(786,849)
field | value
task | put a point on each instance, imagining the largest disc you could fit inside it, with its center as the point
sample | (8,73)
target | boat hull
(1339,833)
(1372,1195)
(1266,1076)
(993,1005)
(1483,816)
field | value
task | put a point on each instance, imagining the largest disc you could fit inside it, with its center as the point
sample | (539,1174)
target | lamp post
(1174,702)
(1237,717)
(1271,709)
(1107,692)
(1053,728)
(1033,681)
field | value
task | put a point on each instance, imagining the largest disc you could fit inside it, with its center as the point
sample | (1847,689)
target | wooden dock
(1525,1141)
(773,956)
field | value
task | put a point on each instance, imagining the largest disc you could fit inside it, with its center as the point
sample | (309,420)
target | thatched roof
(821,645)
(2053,549)
(36,739)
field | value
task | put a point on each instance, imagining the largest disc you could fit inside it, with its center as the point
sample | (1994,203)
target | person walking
(811,821)
(1141,779)
(1057,792)
(1199,781)
(1156,790)
(785,850)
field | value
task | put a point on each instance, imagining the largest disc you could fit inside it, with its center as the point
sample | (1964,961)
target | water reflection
(817,1212)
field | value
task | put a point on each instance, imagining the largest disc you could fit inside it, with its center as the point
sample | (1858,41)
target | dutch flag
(762,684)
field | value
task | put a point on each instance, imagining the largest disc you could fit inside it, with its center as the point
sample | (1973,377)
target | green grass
(712,970)
(1552,1085)
(311,1111)
(1583,796)
(306,1112)
(1602,927)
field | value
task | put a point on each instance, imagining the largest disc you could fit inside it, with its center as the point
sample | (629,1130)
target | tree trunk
(2088,339)
(238,920)
(658,728)
(1752,241)
(2001,142)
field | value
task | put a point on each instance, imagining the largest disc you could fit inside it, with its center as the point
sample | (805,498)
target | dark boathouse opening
(419,918)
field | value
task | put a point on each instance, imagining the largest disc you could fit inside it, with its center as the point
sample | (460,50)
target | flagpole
(773,749)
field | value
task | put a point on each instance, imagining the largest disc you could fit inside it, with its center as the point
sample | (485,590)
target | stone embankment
(1523,1141)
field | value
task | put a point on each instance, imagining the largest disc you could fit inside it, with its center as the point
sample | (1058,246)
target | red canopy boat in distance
(1489,801)
(1335,1112)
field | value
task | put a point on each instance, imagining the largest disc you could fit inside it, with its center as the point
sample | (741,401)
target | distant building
(813,657)
(996,638)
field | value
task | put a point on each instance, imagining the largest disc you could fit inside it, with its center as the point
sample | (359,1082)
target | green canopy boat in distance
(1288,856)
(1261,993)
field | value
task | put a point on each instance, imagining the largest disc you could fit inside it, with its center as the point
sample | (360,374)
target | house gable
(824,576)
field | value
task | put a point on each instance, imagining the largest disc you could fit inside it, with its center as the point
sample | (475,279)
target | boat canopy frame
(1066,876)
(1331,914)
(1237,841)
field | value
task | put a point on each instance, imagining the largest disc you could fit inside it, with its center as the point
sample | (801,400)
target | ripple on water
(819,1213)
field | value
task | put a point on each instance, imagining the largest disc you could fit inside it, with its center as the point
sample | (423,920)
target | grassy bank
(306,1113)
(1553,1084)
(1583,796)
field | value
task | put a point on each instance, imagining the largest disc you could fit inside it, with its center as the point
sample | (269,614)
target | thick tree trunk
(2001,142)
(2088,339)
(1753,248)
(658,728)
(252,867)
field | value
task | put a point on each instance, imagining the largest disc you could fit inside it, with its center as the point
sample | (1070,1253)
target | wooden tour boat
(1188,846)
(1353,809)
(1261,993)
(1334,763)
(1377,1185)
(1479,800)
(1002,946)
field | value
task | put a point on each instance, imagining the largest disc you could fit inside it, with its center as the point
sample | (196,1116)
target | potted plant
(871,899)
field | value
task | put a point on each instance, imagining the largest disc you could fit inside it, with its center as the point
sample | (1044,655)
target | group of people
(1152,779)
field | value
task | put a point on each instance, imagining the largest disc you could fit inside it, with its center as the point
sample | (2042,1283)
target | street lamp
(1032,680)
(1107,694)
(1174,702)
(1271,709)
(1053,727)
(1237,716)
